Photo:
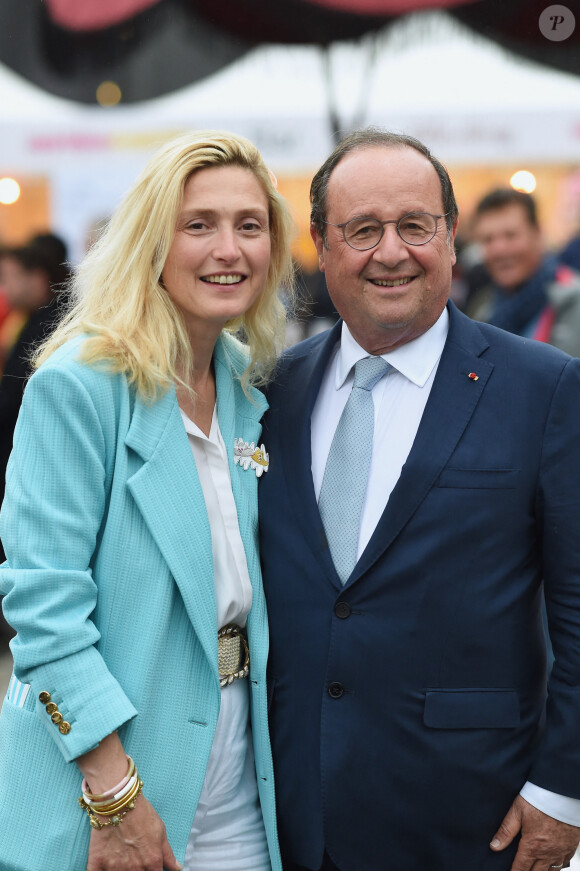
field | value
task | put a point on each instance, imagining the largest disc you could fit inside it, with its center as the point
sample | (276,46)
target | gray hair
(371,137)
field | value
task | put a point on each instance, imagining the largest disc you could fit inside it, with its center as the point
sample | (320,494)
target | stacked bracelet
(115,802)
(110,792)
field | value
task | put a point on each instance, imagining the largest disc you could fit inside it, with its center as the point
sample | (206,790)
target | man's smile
(392,282)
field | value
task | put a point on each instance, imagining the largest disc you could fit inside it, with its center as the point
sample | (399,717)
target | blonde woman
(130,531)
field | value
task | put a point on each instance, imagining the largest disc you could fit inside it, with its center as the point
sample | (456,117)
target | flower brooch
(248,456)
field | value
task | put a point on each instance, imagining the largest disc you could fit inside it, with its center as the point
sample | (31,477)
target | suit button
(44,698)
(56,718)
(64,727)
(335,690)
(51,708)
(342,610)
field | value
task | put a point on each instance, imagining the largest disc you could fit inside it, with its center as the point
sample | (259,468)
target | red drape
(88,15)
(94,14)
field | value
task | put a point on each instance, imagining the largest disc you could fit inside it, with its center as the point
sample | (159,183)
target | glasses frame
(345,224)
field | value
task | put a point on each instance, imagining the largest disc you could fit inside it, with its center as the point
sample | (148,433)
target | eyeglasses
(416,228)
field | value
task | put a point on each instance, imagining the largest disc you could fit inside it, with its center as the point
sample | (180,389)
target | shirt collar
(192,428)
(415,359)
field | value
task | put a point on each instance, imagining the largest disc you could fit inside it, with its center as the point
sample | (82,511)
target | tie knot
(368,371)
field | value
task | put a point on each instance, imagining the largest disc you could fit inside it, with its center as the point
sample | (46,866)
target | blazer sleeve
(557,765)
(56,495)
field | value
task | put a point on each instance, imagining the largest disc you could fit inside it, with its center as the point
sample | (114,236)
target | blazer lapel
(168,494)
(240,418)
(453,399)
(293,424)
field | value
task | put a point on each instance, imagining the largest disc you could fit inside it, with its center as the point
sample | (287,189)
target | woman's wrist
(105,766)
(110,809)
(115,792)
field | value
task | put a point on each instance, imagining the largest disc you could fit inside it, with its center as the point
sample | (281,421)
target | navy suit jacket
(408,707)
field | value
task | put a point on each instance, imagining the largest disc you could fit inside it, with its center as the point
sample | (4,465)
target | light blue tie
(347,468)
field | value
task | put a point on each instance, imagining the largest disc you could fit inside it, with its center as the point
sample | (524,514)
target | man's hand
(545,842)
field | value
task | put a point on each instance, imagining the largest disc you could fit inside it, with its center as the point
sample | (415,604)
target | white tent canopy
(465,97)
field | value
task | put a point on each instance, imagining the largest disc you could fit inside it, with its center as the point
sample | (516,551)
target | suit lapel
(453,399)
(293,424)
(168,494)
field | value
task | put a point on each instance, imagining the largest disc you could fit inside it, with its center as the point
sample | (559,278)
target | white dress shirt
(399,399)
(233,588)
(228,829)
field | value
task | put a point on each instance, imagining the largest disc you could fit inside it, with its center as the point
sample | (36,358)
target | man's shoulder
(309,351)
(498,345)
(300,366)
(565,284)
(309,346)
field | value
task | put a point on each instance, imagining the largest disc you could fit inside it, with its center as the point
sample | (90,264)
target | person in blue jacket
(413,722)
(132,576)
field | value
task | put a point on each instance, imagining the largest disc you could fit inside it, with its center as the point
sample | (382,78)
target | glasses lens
(363,233)
(417,228)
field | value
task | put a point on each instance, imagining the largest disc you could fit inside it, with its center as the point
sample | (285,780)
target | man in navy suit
(413,725)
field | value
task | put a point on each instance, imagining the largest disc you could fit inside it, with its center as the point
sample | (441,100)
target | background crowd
(32,284)
(505,275)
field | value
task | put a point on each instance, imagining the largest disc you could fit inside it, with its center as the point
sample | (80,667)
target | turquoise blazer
(109,584)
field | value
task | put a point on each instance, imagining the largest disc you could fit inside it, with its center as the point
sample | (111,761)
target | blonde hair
(117,295)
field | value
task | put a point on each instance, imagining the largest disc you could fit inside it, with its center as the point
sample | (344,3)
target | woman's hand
(139,843)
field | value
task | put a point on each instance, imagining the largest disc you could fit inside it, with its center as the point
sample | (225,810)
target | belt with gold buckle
(233,654)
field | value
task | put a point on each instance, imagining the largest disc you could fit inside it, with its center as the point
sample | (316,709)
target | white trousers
(228,830)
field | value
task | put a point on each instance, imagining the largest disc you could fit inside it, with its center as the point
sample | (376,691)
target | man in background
(530,293)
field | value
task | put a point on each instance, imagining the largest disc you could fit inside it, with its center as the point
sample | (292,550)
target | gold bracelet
(114,797)
(106,809)
(116,818)
(110,794)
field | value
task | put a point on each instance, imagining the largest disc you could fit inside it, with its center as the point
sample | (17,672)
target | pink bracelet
(110,793)
(95,805)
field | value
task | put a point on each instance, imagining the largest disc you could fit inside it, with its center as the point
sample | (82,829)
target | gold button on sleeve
(64,728)
(44,697)
(56,718)
(51,708)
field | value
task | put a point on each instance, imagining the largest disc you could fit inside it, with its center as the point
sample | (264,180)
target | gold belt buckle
(233,654)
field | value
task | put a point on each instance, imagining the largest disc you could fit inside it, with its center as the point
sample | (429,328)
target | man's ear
(452,242)
(320,246)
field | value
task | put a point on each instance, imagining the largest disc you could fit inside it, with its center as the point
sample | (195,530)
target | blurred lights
(9,191)
(522,180)
(109,94)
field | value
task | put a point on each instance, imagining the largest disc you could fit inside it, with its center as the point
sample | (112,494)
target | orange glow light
(522,180)
(9,191)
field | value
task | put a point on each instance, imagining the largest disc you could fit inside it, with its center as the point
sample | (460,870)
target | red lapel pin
(473,376)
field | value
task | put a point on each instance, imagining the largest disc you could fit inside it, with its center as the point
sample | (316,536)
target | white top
(400,399)
(228,829)
(233,588)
